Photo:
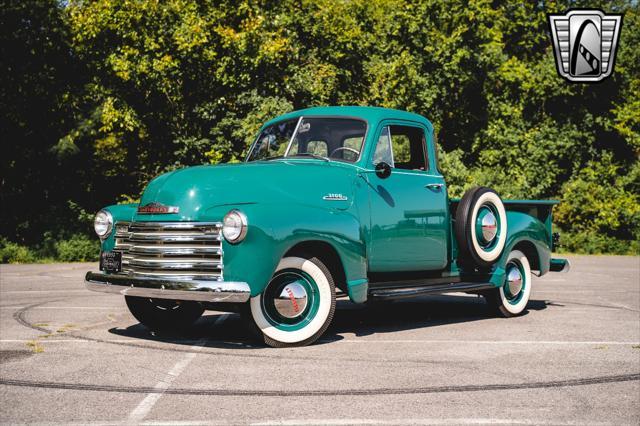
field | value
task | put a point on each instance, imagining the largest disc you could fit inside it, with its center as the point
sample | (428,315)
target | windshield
(324,138)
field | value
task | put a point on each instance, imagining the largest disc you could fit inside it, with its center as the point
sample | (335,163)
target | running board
(401,293)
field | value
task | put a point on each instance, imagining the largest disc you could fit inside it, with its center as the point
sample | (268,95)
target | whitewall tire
(297,305)
(512,297)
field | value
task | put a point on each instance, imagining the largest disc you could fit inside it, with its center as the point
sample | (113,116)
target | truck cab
(332,199)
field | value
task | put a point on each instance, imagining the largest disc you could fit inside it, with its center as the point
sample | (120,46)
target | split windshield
(322,138)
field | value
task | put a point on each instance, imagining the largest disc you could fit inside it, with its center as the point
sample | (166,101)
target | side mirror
(383,170)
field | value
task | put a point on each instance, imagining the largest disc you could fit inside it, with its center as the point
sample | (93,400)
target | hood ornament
(157,208)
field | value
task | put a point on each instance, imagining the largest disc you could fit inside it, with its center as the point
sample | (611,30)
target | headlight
(234,226)
(103,223)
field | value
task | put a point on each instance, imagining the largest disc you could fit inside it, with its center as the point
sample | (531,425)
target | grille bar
(170,237)
(171,250)
(174,250)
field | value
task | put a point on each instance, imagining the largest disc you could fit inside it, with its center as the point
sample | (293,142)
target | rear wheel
(163,314)
(512,298)
(297,305)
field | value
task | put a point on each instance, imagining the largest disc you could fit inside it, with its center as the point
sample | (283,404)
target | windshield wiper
(310,154)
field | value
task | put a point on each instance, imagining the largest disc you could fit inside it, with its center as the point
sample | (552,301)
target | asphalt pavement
(68,355)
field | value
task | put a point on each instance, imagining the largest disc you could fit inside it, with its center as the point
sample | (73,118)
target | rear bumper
(559,265)
(191,290)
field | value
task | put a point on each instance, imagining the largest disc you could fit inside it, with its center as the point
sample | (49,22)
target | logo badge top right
(584,44)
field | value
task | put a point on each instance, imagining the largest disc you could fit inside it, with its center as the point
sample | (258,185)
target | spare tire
(481,227)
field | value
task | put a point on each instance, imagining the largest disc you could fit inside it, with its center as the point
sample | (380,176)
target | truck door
(409,208)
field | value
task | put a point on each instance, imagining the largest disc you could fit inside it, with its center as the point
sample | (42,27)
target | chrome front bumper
(192,290)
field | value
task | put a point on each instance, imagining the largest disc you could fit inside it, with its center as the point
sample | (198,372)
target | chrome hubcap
(514,281)
(489,226)
(292,300)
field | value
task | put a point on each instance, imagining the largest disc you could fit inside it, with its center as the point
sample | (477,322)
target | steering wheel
(344,148)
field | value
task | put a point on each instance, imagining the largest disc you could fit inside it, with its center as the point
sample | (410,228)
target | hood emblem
(157,208)
(335,197)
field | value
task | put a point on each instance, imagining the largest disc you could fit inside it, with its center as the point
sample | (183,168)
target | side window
(318,148)
(408,146)
(383,148)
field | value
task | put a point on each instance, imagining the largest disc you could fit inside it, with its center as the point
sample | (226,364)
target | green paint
(393,224)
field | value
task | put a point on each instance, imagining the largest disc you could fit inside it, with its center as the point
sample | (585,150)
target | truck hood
(195,190)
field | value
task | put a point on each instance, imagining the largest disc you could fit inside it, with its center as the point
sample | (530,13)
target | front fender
(272,232)
(120,213)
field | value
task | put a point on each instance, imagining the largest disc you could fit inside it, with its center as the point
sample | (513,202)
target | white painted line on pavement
(53,340)
(465,342)
(493,342)
(146,405)
(62,307)
(47,291)
(423,421)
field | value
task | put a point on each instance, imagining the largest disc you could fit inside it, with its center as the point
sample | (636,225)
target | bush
(15,253)
(600,209)
(594,243)
(78,248)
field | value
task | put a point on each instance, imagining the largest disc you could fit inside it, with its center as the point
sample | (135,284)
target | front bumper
(191,290)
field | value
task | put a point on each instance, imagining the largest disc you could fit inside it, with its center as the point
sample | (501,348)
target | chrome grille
(179,250)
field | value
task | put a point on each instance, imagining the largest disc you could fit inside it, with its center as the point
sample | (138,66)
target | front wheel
(512,298)
(163,314)
(297,305)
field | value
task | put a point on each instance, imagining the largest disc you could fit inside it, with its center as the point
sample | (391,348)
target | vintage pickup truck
(333,199)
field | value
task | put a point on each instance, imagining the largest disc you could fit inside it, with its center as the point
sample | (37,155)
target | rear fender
(524,229)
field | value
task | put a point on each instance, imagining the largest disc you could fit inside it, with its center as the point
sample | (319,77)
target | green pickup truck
(346,200)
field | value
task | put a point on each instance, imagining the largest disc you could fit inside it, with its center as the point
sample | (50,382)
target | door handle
(434,186)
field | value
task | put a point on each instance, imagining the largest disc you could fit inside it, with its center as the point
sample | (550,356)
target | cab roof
(370,114)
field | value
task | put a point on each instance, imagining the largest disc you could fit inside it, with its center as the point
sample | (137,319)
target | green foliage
(78,248)
(594,243)
(599,201)
(15,253)
(97,98)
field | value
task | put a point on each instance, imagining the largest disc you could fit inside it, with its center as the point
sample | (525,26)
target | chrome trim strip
(175,263)
(179,275)
(159,236)
(174,225)
(293,135)
(174,250)
(192,290)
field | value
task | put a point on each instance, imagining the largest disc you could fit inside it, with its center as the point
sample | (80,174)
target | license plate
(111,261)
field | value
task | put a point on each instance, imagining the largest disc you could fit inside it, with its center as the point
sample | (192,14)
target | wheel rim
(514,287)
(487,227)
(290,300)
